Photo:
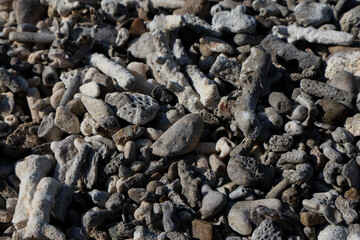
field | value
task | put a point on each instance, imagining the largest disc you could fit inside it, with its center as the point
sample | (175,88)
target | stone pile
(179,119)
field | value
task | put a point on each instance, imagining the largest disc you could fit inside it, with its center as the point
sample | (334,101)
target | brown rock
(137,27)
(353,195)
(331,112)
(198,8)
(25,136)
(127,133)
(201,230)
(311,219)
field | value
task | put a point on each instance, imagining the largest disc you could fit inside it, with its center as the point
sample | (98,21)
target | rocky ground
(174,119)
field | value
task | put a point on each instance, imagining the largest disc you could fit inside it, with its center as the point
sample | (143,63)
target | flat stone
(135,108)
(212,202)
(181,138)
(201,230)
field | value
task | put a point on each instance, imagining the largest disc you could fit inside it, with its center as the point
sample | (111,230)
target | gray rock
(99,197)
(114,202)
(352,173)
(350,20)
(142,46)
(212,202)
(66,120)
(279,143)
(280,102)
(48,130)
(181,138)
(170,220)
(267,230)
(227,69)
(248,172)
(135,108)
(114,10)
(347,209)
(333,232)
(288,53)
(7,103)
(235,21)
(312,13)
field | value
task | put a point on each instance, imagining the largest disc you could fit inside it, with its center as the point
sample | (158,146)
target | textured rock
(135,108)
(195,7)
(331,232)
(311,219)
(181,138)
(268,230)
(331,112)
(66,121)
(352,124)
(235,21)
(343,61)
(280,102)
(202,229)
(312,13)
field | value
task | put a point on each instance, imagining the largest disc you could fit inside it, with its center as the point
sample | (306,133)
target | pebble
(181,138)
(312,13)
(352,124)
(311,219)
(202,229)
(66,121)
(212,202)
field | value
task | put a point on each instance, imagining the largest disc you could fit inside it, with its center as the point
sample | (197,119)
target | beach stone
(48,130)
(181,138)
(66,120)
(29,11)
(267,230)
(344,80)
(311,219)
(239,214)
(331,112)
(235,21)
(312,13)
(202,229)
(352,195)
(135,108)
(333,232)
(212,202)
(91,89)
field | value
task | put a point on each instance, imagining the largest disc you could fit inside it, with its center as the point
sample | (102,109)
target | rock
(114,10)
(312,13)
(170,220)
(343,61)
(29,11)
(347,209)
(280,102)
(202,230)
(352,124)
(350,20)
(135,108)
(239,214)
(181,138)
(352,195)
(198,8)
(142,46)
(267,230)
(311,219)
(48,130)
(66,120)
(91,89)
(212,202)
(331,112)
(352,173)
(248,172)
(333,232)
(344,80)
(7,103)
(137,27)
(235,21)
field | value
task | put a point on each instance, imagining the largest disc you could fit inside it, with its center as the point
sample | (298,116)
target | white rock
(91,89)
(343,61)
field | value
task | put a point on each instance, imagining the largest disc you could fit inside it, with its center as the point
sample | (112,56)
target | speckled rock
(135,108)
(333,232)
(181,138)
(312,13)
